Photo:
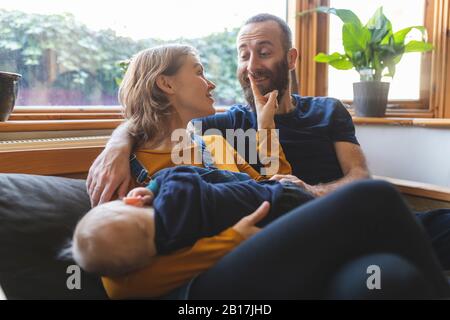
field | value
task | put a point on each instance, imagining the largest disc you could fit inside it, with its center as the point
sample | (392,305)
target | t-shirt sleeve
(219,121)
(236,117)
(342,127)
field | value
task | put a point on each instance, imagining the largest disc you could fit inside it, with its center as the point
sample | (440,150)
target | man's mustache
(256,75)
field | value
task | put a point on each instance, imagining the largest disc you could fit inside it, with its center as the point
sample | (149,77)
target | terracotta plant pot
(370,98)
(8,93)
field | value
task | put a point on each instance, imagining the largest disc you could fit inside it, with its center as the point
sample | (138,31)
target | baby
(180,205)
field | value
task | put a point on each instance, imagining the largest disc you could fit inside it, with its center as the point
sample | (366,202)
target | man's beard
(278,80)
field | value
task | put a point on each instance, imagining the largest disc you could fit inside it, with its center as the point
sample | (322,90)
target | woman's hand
(139,197)
(246,226)
(266,106)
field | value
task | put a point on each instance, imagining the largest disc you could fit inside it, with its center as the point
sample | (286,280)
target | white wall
(409,152)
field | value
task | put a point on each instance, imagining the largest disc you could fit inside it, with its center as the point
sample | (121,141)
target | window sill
(418,122)
(405,113)
(414,188)
(58,125)
(66,122)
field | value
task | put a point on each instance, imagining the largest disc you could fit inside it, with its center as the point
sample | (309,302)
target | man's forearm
(120,138)
(353,175)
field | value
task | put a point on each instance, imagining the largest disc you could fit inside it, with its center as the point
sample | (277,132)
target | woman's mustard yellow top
(168,272)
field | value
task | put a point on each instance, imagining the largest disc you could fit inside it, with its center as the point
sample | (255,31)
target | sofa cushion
(37,217)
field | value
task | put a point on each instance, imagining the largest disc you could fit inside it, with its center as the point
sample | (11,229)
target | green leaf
(377,66)
(341,64)
(326,58)
(418,46)
(354,38)
(359,60)
(379,26)
(336,60)
(391,68)
(347,16)
(376,21)
(399,36)
(398,58)
(387,49)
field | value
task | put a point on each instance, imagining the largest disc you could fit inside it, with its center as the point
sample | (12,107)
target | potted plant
(373,50)
(8,93)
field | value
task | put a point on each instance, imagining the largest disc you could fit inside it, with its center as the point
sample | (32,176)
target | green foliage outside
(88,62)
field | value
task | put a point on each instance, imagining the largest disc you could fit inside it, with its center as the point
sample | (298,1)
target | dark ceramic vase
(370,98)
(9,86)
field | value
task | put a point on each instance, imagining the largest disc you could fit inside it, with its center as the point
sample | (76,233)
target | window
(421,82)
(68,51)
(402,13)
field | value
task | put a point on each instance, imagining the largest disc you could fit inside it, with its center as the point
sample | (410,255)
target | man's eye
(265,54)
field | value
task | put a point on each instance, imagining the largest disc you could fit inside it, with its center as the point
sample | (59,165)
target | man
(317,134)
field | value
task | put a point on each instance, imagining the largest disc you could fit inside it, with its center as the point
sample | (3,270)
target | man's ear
(292,56)
(165,84)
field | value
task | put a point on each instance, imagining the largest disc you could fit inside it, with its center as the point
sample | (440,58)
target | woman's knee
(375,195)
(380,276)
(373,189)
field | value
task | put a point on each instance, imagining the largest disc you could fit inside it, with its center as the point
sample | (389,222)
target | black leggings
(307,252)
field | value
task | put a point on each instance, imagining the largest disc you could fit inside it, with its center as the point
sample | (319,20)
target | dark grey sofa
(37,217)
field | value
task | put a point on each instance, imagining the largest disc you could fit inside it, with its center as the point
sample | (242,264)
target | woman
(163,90)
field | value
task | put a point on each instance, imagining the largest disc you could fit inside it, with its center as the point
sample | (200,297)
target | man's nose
(254,64)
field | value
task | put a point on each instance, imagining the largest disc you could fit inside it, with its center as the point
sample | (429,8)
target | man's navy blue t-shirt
(307,134)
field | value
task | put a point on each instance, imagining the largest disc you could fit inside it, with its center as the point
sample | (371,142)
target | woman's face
(193,92)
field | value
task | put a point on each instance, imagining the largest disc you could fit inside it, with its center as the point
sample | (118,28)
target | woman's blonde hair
(146,106)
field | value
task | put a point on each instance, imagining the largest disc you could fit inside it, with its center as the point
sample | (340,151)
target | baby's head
(114,239)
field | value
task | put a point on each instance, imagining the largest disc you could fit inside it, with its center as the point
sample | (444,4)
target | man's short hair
(285,30)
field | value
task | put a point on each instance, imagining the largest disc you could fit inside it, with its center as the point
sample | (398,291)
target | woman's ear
(165,84)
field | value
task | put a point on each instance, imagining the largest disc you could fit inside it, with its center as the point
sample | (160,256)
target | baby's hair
(66,253)
(110,240)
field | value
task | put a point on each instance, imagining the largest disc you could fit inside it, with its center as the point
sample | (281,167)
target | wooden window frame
(311,37)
